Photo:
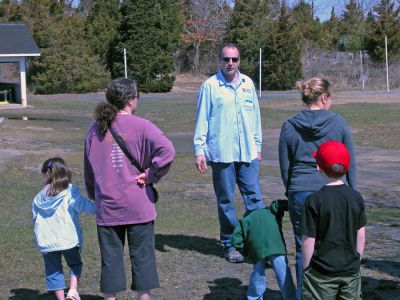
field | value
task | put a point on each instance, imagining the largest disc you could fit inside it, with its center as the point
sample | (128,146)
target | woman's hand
(141,179)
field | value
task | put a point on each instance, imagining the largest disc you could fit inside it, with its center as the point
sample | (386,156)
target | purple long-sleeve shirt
(109,176)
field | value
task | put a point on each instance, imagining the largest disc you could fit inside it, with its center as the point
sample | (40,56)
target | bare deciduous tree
(205,22)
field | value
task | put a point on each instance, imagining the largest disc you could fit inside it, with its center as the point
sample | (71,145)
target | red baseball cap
(330,153)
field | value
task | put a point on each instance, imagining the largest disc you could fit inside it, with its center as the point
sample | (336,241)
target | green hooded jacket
(259,233)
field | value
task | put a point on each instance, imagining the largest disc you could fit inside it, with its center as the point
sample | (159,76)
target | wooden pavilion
(16,44)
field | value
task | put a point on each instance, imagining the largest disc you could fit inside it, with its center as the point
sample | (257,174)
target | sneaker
(233,256)
(73,295)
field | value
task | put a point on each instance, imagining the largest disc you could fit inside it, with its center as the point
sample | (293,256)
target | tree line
(82,46)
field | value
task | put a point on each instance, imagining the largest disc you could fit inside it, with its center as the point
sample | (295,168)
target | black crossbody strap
(122,145)
(133,161)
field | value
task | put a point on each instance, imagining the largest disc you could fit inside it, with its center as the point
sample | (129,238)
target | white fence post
(362,70)
(387,65)
(260,72)
(126,67)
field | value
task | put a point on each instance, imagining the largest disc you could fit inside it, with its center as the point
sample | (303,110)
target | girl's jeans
(295,205)
(258,280)
(54,269)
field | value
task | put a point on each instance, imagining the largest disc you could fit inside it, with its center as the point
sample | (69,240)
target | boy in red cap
(333,228)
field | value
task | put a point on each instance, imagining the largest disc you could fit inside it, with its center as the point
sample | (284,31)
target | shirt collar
(222,81)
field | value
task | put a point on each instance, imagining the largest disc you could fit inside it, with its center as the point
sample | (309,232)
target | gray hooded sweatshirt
(300,136)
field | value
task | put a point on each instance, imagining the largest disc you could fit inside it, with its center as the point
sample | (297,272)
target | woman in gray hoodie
(300,136)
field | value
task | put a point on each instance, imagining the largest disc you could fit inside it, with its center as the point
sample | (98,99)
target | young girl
(57,228)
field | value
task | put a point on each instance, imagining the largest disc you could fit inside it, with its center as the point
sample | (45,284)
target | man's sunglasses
(234,59)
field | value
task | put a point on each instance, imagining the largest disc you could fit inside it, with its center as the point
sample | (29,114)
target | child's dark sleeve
(309,217)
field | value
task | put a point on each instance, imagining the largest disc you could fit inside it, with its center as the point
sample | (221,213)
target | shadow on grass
(29,294)
(379,289)
(384,266)
(233,289)
(202,245)
(226,288)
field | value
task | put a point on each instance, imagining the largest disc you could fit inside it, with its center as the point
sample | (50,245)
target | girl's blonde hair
(313,88)
(58,175)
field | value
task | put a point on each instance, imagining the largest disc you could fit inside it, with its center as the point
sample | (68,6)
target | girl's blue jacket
(56,221)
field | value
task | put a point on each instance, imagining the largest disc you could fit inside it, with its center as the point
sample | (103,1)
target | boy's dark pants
(317,286)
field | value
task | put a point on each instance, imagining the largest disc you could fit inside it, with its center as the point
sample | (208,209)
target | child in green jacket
(259,237)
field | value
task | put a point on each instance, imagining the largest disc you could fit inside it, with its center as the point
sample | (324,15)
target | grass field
(188,254)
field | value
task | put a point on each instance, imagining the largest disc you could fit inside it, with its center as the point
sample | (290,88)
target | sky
(322,8)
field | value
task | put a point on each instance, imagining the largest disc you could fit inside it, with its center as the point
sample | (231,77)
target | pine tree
(386,22)
(66,64)
(309,28)
(283,55)
(250,28)
(331,29)
(101,26)
(5,7)
(352,28)
(149,31)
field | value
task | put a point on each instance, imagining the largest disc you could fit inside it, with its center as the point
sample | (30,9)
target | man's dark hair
(228,45)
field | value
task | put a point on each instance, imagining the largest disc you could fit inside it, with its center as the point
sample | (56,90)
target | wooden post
(24,102)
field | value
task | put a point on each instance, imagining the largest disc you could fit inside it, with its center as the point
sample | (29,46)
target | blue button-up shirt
(228,123)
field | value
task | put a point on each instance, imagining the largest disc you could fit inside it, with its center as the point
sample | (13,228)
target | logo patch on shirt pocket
(248,104)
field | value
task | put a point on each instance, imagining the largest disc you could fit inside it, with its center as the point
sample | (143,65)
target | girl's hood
(47,205)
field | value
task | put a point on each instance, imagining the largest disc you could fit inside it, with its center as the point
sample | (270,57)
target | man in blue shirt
(228,137)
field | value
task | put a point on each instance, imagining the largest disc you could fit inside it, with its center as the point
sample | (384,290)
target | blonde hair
(313,88)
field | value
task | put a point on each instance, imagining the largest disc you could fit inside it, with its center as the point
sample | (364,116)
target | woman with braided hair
(123,193)
(300,136)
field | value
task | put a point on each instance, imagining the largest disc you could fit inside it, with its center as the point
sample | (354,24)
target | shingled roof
(15,40)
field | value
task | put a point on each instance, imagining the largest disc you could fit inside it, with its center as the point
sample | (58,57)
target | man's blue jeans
(225,177)
(258,280)
(295,204)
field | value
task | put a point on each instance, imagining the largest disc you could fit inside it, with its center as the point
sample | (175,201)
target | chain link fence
(350,70)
